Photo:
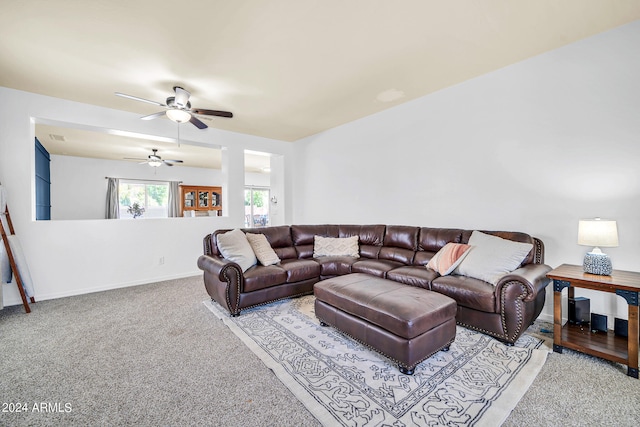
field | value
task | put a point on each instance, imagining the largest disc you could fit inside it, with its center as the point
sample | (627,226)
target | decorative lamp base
(597,263)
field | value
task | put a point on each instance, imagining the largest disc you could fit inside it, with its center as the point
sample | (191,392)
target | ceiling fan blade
(154,115)
(212,112)
(124,95)
(197,122)
(133,158)
(182,96)
(167,163)
(173,161)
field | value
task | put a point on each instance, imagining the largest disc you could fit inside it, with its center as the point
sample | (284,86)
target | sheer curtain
(112,210)
(174,199)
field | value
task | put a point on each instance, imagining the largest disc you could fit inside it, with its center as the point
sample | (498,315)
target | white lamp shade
(598,232)
(178,116)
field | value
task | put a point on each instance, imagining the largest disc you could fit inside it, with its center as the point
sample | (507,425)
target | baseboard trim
(55,295)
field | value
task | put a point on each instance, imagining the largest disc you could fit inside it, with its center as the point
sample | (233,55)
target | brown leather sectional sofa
(394,252)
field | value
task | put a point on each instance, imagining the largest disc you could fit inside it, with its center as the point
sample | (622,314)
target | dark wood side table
(605,345)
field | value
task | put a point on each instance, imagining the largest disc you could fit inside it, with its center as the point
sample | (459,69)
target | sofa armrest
(217,266)
(532,276)
(223,280)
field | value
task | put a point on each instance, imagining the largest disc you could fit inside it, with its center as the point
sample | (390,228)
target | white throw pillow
(335,246)
(234,246)
(492,257)
(262,248)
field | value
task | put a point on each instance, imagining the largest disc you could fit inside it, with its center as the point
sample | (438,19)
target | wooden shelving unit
(605,345)
(199,200)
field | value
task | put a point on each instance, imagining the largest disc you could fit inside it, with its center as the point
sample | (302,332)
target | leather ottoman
(407,324)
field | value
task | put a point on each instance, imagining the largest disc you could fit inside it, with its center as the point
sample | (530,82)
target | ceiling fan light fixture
(178,108)
(154,163)
(178,116)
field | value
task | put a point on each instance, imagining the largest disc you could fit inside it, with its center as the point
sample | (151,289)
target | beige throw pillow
(234,246)
(491,257)
(448,258)
(262,248)
(335,246)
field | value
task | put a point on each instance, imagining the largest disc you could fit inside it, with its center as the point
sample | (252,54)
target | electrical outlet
(161,260)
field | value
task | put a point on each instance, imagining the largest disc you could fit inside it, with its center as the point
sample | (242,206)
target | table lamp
(597,232)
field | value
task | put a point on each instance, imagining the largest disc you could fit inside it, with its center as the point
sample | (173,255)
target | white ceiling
(286,68)
(68,141)
(101,145)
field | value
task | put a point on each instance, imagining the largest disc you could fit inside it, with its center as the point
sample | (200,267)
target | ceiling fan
(178,108)
(154,160)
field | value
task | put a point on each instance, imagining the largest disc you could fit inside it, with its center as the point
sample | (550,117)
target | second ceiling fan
(178,108)
(154,160)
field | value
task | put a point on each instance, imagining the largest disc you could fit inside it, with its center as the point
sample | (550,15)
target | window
(152,196)
(256,207)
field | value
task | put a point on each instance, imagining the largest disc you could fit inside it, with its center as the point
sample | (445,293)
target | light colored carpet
(152,355)
(477,383)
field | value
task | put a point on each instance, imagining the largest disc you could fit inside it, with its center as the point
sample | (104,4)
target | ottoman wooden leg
(406,371)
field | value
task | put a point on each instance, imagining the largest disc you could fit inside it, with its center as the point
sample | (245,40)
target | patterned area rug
(476,383)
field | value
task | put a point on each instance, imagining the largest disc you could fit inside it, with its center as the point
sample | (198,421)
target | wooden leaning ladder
(12,261)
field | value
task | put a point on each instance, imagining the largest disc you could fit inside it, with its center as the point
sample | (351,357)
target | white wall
(73,198)
(532,147)
(79,256)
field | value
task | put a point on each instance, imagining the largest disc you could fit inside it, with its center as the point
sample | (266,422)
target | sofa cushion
(372,235)
(431,240)
(375,267)
(369,251)
(304,251)
(401,236)
(400,243)
(492,257)
(262,249)
(288,252)
(448,258)
(413,275)
(261,277)
(335,265)
(335,246)
(300,269)
(467,292)
(369,236)
(403,256)
(304,234)
(234,246)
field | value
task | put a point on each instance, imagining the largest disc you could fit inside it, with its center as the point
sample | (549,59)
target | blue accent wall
(43,182)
